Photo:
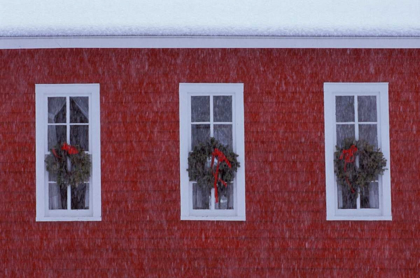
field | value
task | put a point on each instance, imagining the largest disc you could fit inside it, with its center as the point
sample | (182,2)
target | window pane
(344,132)
(56,109)
(200,109)
(367,108)
(344,108)
(57,134)
(369,133)
(200,134)
(201,197)
(346,199)
(222,106)
(79,110)
(225,197)
(80,197)
(369,197)
(79,136)
(57,196)
(52,177)
(223,133)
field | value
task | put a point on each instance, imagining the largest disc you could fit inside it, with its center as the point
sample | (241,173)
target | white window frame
(186,90)
(42,92)
(380,90)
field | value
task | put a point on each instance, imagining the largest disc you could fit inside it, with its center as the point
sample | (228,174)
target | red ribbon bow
(349,157)
(220,158)
(69,149)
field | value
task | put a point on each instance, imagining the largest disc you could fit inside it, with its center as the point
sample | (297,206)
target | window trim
(42,91)
(330,91)
(185,91)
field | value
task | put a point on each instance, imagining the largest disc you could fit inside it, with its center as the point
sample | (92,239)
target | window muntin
(67,113)
(360,111)
(211,110)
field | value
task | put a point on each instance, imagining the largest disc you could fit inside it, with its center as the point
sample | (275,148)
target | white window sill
(215,218)
(63,219)
(359,218)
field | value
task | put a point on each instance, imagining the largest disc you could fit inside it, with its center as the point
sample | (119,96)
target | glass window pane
(344,108)
(80,196)
(79,136)
(369,197)
(369,133)
(52,177)
(344,132)
(57,196)
(201,197)
(200,109)
(79,110)
(367,108)
(199,134)
(223,134)
(225,197)
(346,199)
(57,134)
(222,106)
(56,109)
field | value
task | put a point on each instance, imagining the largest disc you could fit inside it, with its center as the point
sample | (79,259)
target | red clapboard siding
(141,235)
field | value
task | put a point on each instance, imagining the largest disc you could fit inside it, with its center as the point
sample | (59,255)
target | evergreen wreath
(371,163)
(212,164)
(56,163)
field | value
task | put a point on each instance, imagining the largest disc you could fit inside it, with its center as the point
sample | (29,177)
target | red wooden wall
(286,232)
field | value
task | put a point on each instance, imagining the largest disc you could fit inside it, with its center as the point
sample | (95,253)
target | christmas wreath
(357,163)
(212,164)
(65,157)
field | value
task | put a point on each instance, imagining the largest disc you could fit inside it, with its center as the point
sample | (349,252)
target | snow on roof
(210,17)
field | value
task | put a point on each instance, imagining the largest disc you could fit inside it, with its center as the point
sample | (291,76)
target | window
(67,113)
(358,111)
(212,110)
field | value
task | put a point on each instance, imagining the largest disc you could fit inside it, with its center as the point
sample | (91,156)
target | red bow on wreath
(69,149)
(349,157)
(220,158)
(66,147)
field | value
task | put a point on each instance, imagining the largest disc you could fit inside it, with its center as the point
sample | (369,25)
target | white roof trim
(207,42)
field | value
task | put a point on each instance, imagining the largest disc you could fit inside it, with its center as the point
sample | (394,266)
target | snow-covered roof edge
(207,42)
(249,18)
